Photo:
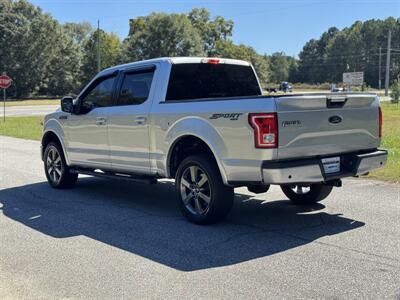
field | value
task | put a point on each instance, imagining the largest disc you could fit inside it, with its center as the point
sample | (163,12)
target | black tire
(55,167)
(313,194)
(258,189)
(220,196)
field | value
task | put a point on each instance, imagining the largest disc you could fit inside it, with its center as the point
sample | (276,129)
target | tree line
(45,57)
(355,48)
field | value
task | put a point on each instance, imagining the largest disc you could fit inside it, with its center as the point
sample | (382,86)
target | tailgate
(314,125)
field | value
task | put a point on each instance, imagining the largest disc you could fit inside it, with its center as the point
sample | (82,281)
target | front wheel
(306,194)
(202,196)
(55,167)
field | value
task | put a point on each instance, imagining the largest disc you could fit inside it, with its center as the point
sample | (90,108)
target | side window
(135,87)
(99,96)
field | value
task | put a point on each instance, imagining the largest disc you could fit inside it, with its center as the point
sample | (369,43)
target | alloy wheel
(195,190)
(54,165)
(300,189)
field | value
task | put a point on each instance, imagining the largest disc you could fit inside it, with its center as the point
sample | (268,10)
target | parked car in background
(285,87)
(335,88)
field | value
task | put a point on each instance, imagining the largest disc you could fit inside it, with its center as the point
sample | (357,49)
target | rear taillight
(265,128)
(380,122)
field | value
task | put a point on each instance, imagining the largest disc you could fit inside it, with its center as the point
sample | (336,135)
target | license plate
(331,164)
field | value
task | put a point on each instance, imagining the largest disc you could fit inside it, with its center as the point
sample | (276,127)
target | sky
(268,26)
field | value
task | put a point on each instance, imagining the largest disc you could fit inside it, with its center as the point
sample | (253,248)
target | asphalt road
(111,239)
(28,110)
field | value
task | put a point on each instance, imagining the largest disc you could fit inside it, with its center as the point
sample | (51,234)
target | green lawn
(31,128)
(22,127)
(391,142)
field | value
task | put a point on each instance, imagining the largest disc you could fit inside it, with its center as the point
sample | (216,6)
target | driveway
(113,239)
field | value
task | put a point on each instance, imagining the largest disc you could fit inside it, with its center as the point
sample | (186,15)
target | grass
(31,102)
(31,128)
(22,127)
(391,142)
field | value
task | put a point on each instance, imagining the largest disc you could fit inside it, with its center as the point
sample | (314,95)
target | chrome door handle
(101,121)
(140,120)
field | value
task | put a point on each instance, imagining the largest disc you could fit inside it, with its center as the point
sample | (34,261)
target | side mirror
(67,104)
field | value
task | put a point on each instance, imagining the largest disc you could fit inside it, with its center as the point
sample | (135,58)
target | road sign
(5,81)
(353,78)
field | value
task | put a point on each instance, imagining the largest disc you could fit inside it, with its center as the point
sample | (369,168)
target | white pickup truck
(205,122)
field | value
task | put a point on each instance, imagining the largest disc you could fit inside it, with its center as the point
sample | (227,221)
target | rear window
(201,81)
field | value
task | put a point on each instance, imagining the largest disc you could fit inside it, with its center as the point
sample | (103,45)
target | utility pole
(98,46)
(380,64)
(4,105)
(388,64)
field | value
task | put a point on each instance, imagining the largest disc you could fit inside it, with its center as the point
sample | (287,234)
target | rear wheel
(202,196)
(306,194)
(57,172)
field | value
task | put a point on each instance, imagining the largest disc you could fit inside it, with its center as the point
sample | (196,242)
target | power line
(338,58)
(342,58)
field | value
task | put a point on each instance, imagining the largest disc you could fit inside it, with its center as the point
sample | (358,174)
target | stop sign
(5,81)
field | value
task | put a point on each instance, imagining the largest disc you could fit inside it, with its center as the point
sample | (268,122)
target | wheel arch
(52,136)
(178,151)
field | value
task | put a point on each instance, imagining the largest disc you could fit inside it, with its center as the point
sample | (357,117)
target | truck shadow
(145,221)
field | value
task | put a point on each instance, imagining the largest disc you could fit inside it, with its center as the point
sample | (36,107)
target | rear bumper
(311,169)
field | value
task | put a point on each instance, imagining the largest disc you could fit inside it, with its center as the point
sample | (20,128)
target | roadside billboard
(353,78)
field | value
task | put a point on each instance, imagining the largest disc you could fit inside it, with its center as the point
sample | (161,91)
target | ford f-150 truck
(205,123)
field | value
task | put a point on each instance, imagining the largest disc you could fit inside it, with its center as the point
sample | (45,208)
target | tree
(293,70)
(160,34)
(395,91)
(355,48)
(62,76)
(229,50)
(44,57)
(279,67)
(110,54)
(313,59)
(79,32)
(211,31)
(27,37)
